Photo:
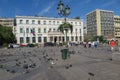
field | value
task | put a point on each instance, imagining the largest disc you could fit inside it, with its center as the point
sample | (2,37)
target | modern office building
(31,29)
(100,23)
(117,27)
(7,22)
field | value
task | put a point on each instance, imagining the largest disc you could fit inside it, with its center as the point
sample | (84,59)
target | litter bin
(65,54)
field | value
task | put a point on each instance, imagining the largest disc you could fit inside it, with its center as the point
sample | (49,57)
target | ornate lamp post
(63,11)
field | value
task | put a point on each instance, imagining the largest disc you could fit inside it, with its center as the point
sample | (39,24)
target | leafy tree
(1,39)
(88,38)
(77,17)
(6,35)
(65,26)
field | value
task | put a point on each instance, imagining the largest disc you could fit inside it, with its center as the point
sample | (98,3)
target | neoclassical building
(31,29)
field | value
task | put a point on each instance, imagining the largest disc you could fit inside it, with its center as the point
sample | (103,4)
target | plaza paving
(45,63)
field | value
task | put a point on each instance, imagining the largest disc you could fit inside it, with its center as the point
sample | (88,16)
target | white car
(16,45)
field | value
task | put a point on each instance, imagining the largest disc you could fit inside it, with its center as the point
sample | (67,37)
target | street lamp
(63,11)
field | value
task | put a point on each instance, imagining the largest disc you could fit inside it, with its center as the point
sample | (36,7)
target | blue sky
(11,8)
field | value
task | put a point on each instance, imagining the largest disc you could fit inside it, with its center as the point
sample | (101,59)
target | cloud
(47,9)
(87,1)
(68,1)
(108,3)
(84,2)
(17,11)
(36,3)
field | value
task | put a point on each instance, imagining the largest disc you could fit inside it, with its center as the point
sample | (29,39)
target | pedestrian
(96,44)
(112,44)
(93,44)
(84,43)
(89,44)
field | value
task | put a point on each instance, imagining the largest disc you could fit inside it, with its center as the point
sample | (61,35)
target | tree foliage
(65,26)
(88,38)
(77,17)
(6,35)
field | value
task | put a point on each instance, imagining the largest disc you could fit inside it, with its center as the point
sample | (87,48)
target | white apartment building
(7,22)
(100,23)
(117,28)
(31,29)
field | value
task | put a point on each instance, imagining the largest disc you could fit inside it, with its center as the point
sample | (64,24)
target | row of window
(28,30)
(47,22)
(117,34)
(104,13)
(6,21)
(117,19)
(51,39)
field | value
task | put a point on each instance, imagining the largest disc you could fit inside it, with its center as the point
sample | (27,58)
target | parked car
(49,44)
(13,45)
(23,45)
(30,45)
(16,45)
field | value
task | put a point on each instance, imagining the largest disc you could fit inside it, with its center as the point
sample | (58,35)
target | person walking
(112,44)
(93,45)
(89,44)
(85,44)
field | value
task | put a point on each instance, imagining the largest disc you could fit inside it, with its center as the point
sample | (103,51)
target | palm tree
(65,27)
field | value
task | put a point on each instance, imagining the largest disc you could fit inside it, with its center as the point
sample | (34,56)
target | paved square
(45,63)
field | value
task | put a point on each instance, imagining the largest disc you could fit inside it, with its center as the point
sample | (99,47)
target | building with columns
(31,29)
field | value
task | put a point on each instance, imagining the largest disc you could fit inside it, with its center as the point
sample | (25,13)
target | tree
(77,17)
(1,39)
(65,26)
(6,35)
(88,38)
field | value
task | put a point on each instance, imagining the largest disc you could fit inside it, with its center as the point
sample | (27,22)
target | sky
(48,8)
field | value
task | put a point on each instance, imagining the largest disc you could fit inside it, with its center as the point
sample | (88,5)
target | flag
(33,32)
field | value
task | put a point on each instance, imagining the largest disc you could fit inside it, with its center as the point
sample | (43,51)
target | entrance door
(55,39)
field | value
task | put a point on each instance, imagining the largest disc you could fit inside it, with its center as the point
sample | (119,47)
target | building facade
(117,28)
(100,23)
(7,22)
(31,29)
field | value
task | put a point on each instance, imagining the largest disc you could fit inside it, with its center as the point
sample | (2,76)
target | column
(30,38)
(58,39)
(74,38)
(24,38)
(18,40)
(42,40)
(36,39)
(53,39)
(48,38)
(70,38)
(78,38)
